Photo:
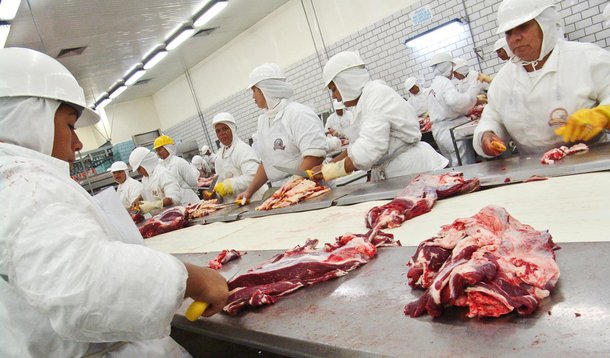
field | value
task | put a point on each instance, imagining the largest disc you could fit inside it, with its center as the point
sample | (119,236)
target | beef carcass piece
(292,192)
(223,257)
(418,198)
(201,209)
(299,267)
(169,220)
(489,262)
(556,154)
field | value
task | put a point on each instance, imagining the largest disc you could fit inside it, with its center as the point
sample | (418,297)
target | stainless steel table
(361,315)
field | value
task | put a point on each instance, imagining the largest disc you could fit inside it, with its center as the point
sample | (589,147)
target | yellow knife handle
(309,174)
(195,310)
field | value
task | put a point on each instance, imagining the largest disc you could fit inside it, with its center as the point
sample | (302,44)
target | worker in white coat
(339,122)
(289,134)
(388,140)
(546,82)
(209,157)
(160,188)
(180,169)
(201,166)
(466,77)
(418,96)
(236,162)
(448,108)
(128,189)
(501,49)
(70,287)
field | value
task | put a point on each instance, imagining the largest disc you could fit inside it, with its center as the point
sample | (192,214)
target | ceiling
(119,33)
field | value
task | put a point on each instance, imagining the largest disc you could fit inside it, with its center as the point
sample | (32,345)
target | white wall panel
(128,118)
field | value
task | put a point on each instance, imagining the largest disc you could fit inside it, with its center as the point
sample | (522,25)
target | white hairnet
(171,149)
(28,122)
(150,162)
(233,129)
(461,66)
(204,149)
(351,81)
(550,24)
(442,69)
(197,160)
(275,90)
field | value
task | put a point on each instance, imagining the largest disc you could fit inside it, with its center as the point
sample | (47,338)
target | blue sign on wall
(421,16)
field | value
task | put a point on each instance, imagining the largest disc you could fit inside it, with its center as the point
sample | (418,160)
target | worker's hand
(484,78)
(206,285)
(584,124)
(315,173)
(492,145)
(246,195)
(335,170)
(135,206)
(224,188)
(331,132)
(148,206)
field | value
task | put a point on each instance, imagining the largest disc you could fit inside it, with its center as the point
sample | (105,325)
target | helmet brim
(87,118)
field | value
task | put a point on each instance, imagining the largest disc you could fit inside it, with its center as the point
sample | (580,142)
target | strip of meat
(169,220)
(556,154)
(300,267)
(223,257)
(418,198)
(490,263)
(201,209)
(294,191)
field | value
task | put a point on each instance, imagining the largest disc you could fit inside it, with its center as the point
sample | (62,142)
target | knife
(308,174)
(197,308)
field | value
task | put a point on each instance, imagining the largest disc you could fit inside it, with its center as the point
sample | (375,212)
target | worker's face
(414,89)
(339,112)
(224,133)
(119,176)
(162,153)
(259,98)
(502,54)
(525,40)
(334,92)
(458,75)
(65,142)
(142,171)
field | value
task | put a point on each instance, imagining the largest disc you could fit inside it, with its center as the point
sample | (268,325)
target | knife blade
(197,308)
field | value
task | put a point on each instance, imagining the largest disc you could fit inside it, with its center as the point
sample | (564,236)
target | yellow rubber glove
(224,188)
(331,171)
(585,124)
(484,78)
(148,206)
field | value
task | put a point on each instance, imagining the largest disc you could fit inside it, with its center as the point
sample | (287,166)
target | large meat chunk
(169,220)
(297,189)
(302,266)
(418,198)
(489,262)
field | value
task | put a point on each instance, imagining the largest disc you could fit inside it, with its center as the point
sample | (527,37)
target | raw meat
(489,262)
(223,257)
(418,198)
(476,111)
(201,209)
(558,153)
(297,189)
(299,267)
(425,125)
(169,220)
(137,217)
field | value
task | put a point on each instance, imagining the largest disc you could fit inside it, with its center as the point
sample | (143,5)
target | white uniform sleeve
(491,119)
(134,190)
(171,188)
(308,133)
(459,102)
(91,289)
(187,172)
(600,72)
(247,161)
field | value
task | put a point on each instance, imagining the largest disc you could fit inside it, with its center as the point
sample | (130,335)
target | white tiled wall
(381,45)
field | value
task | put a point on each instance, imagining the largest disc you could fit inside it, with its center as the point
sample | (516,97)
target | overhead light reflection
(180,38)
(155,59)
(210,13)
(134,77)
(8,9)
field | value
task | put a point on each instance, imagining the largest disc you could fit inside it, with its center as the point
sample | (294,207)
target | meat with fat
(294,191)
(418,198)
(169,220)
(556,154)
(490,263)
(201,209)
(223,257)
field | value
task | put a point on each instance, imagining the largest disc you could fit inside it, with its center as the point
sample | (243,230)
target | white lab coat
(160,184)
(211,160)
(576,75)
(238,164)
(129,191)
(294,133)
(419,101)
(187,178)
(471,80)
(389,137)
(67,279)
(448,108)
(341,124)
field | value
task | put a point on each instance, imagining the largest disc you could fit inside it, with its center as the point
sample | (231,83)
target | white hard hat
(197,159)
(410,82)
(137,156)
(513,13)
(607,14)
(500,43)
(29,73)
(459,62)
(223,117)
(339,63)
(204,148)
(118,166)
(440,58)
(265,71)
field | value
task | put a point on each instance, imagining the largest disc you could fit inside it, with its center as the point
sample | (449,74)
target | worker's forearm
(340,156)
(349,165)
(310,162)
(259,179)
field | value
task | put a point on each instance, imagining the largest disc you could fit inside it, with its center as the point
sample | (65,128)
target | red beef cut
(169,220)
(418,198)
(490,263)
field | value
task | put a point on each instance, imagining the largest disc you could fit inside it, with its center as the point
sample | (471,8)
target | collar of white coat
(278,111)
(551,65)
(358,107)
(62,167)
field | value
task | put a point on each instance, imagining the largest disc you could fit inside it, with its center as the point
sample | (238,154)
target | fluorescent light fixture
(101,97)
(435,35)
(156,58)
(104,103)
(134,77)
(8,9)
(209,13)
(117,91)
(4,30)
(180,38)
